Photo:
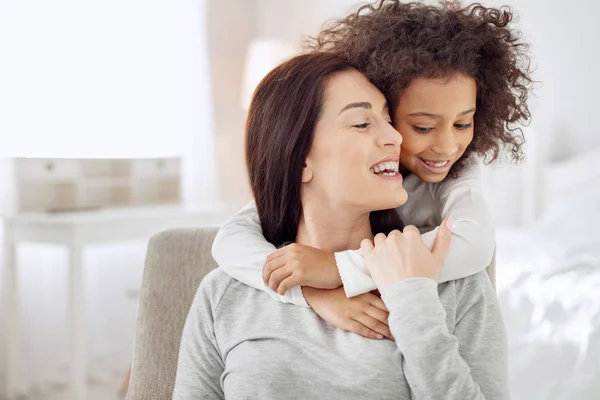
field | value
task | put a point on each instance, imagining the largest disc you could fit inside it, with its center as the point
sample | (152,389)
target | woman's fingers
(366,245)
(411,230)
(442,240)
(379,239)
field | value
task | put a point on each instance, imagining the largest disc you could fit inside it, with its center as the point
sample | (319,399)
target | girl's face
(435,118)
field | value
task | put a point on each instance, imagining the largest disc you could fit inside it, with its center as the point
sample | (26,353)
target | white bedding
(549,289)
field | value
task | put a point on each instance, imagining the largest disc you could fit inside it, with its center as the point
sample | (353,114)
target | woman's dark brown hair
(393,43)
(283,114)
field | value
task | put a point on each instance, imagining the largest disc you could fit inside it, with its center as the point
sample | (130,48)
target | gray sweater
(238,343)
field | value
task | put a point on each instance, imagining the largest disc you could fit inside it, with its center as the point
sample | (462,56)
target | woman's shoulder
(474,285)
(213,287)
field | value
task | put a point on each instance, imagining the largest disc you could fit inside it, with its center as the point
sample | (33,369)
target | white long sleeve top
(240,248)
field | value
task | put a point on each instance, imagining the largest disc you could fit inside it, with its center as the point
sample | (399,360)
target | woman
(313,176)
(457,81)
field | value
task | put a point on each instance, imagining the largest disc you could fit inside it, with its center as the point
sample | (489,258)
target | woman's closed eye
(363,125)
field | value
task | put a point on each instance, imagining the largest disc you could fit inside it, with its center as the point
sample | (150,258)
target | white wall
(110,79)
(232,26)
(564,38)
(566,60)
(292,19)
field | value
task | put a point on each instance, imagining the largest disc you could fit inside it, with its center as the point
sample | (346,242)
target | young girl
(457,80)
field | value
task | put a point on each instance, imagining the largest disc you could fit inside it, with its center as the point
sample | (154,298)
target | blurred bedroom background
(119,119)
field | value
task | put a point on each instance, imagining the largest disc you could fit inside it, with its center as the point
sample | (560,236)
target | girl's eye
(362,126)
(422,129)
(462,126)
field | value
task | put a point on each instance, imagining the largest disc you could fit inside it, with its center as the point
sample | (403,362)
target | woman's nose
(389,137)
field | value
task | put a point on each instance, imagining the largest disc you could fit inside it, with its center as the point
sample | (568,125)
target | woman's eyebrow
(360,104)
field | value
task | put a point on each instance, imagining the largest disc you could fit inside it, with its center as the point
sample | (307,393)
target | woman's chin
(393,200)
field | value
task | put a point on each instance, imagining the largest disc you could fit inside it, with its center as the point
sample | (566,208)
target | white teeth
(388,165)
(435,164)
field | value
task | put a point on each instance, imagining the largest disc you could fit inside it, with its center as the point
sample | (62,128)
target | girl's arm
(240,249)
(473,240)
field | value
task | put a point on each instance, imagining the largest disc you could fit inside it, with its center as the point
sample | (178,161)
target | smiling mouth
(388,168)
(435,164)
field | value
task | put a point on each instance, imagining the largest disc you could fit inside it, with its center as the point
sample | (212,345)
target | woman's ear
(307,173)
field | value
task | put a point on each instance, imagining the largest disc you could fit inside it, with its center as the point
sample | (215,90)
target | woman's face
(353,161)
(435,118)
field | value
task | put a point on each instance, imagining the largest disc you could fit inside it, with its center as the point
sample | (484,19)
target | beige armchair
(176,262)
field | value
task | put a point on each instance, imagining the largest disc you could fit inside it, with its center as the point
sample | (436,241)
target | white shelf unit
(61,185)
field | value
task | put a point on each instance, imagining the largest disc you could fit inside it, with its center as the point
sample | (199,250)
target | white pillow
(568,177)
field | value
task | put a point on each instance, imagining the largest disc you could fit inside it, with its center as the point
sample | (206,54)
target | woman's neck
(333,230)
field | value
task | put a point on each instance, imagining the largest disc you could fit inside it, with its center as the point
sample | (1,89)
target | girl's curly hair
(393,43)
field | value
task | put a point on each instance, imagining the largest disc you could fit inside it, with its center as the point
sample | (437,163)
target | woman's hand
(300,265)
(403,255)
(365,315)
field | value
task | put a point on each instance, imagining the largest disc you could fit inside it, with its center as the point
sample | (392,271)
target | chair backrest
(176,262)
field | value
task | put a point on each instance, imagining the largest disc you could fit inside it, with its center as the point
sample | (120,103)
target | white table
(76,230)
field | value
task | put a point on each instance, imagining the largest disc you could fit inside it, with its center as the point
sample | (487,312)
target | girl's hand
(365,315)
(300,265)
(403,255)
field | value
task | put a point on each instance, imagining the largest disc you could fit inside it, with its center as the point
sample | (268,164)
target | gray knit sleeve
(200,365)
(467,363)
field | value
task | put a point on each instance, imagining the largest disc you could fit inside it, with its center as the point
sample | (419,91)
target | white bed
(548,283)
